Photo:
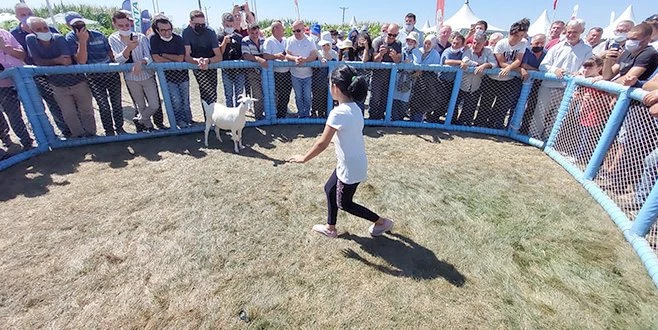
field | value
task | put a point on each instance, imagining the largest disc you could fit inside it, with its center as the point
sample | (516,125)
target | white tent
(541,25)
(463,19)
(7,17)
(426,28)
(609,32)
(353,22)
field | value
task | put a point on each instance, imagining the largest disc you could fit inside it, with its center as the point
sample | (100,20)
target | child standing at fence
(595,107)
(345,122)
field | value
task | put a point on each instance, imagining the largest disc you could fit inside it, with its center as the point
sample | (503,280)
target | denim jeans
(302,88)
(180,100)
(649,176)
(233,81)
(11,107)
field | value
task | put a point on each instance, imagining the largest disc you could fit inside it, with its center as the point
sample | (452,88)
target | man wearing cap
(166,47)
(252,50)
(11,55)
(20,32)
(301,50)
(92,47)
(275,46)
(231,47)
(202,50)
(390,51)
(70,90)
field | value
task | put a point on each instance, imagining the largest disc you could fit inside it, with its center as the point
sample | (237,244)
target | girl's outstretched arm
(320,144)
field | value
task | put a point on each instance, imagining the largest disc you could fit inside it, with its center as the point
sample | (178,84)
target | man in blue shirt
(20,32)
(70,90)
(92,47)
(167,46)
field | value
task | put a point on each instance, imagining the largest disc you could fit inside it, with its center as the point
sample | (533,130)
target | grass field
(167,233)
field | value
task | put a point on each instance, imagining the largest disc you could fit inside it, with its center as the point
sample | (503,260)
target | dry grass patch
(166,233)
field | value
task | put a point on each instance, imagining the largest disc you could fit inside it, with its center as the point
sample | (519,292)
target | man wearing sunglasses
(202,49)
(301,50)
(389,51)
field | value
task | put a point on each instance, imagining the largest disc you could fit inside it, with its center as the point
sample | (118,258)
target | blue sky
(498,13)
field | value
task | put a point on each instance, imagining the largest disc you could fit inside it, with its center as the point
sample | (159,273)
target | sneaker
(322,229)
(378,230)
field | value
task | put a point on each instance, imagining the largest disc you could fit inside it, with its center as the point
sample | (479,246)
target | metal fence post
(391,91)
(519,111)
(562,113)
(164,88)
(453,96)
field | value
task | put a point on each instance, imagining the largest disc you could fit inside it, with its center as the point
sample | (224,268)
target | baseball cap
(227,17)
(72,18)
(316,29)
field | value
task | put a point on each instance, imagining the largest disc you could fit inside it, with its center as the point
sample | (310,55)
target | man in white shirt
(565,58)
(506,88)
(300,50)
(275,46)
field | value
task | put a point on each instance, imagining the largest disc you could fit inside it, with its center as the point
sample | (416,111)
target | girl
(346,122)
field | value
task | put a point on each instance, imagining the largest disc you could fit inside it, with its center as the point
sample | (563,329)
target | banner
(297,9)
(440,11)
(574,15)
(554,5)
(137,15)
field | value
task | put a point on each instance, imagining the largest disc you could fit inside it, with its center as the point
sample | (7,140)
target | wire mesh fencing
(497,101)
(630,167)
(422,94)
(541,108)
(583,124)
(17,130)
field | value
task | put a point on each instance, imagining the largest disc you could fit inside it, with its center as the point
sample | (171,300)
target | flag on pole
(554,5)
(297,9)
(574,15)
(440,10)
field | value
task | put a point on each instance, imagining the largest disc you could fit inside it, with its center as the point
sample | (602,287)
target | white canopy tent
(426,28)
(353,22)
(541,25)
(609,32)
(463,19)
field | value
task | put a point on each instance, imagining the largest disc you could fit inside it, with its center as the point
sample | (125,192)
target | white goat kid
(232,119)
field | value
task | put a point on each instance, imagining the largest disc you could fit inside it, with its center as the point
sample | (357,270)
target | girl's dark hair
(350,83)
(364,35)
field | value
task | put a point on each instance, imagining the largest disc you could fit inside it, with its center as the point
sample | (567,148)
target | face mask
(229,30)
(166,39)
(621,34)
(478,29)
(410,47)
(632,45)
(24,20)
(125,33)
(457,50)
(409,27)
(199,28)
(44,36)
(537,49)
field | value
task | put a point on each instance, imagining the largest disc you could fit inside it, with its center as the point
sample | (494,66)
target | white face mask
(409,27)
(166,39)
(125,33)
(44,36)
(229,30)
(410,46)
(457,50)
(632,45)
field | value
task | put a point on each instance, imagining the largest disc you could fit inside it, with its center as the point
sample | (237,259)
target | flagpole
(50,12)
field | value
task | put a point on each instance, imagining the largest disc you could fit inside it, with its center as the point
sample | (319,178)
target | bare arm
(16,52)
(651,85)
(162,58)
(318,147)
(218,55)
(188,56)
(635,71)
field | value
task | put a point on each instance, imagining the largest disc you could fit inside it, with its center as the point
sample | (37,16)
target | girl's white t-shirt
(352,163)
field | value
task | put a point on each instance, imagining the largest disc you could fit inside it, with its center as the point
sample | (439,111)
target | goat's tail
(208,110)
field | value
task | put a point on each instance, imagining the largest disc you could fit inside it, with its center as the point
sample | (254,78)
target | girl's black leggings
(339,196)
